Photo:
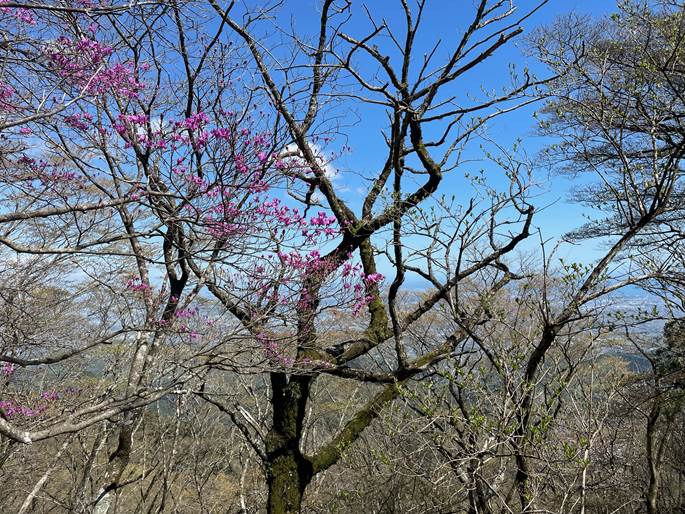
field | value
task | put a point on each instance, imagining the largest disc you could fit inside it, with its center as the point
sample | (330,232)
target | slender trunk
(28,502)
(478,503)
(79,502)
(521,478)
(243,503)
(652,458)
(118,462)
(524,415)
(583,481)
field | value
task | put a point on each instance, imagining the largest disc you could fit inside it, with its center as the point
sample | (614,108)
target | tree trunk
(288,471)
(118,463)
(478,502)
(652,458)
(521,479)
(289,476)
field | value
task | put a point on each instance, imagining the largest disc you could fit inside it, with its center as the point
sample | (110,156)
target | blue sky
(445,17)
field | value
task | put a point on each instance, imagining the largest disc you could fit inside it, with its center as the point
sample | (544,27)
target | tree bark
(289,476)
(521,478)
(288,470)
(478,503)
(652,459)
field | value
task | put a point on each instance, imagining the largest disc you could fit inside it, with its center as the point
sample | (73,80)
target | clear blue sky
(442,19)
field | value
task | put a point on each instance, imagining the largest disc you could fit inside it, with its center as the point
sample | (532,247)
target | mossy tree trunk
(288,470)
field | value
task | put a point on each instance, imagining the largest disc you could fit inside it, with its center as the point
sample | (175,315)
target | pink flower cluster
(194,122)
(79,121)
(309,263)
(83,62)
(273,351)
(8,369)
(374,278)
(11,408)
(6,94)
(134,129)
(39,173)
(22,15)
(222,230)
(183,316)
(76,59)
(223,220)
(119,78)
(137,192)
(358,282)
(51,395)
(186,313)
(62,176)
(195,180)
(222,133)
(135,285)
(282,214)
(322,225)
(131,127)
(275,211)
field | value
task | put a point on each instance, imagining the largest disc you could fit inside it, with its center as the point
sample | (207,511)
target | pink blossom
(361,302)
(195,121)
(8,369)
(134,119)
(26,16)
(6,94)
(273,351)
(195,179)
(137,285)
(373,278)
(51,395)
(221,133)
(84,63)
(186,313)
(80,121)
(12,409)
